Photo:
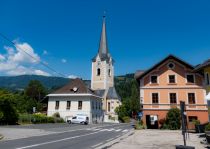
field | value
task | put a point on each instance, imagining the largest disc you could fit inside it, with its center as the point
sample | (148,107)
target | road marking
(44,143)
(110,129)
(109,139)
(97,145)
(118,130)
(125,130)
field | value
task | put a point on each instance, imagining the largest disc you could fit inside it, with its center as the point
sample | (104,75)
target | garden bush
(39,118)
(57,115)
(126,119)
(8,112)
(173,119)
(25,118)
(207,127)
(50,119)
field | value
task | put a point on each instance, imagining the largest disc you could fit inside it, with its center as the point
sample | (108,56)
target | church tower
(102,76)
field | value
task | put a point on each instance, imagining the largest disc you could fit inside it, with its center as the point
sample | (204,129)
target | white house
(76,98)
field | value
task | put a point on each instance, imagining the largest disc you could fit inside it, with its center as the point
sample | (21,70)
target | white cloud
(22,57)
(42,73)
(63,60)
(2,58)
(45,52)
(72,77)
(17,62)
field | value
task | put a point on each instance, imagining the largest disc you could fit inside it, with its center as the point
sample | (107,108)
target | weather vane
(104,14)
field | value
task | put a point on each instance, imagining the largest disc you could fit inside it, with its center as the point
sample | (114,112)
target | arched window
(207,79)
(98,72)
(109,72)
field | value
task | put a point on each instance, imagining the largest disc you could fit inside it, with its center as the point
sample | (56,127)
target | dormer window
(74,89)
(98,72)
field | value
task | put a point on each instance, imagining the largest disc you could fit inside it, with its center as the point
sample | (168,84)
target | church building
(102,78)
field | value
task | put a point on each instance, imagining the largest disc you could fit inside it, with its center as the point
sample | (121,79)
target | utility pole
(183,116)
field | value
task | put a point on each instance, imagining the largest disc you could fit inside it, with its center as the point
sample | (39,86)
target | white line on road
(125,130)
(110,129)
(118,130)
(44,143)
(109,139)
(97,145)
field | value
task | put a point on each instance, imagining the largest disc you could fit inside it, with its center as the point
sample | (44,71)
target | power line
(42,63)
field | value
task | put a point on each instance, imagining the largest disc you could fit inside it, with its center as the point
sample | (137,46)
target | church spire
(103,45)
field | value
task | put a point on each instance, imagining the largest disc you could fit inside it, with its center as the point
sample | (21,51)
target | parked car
(79,119)
(69,119)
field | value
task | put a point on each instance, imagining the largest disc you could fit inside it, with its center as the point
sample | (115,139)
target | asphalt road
(74,137)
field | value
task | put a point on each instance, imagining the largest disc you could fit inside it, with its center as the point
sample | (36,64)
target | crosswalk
(109,130)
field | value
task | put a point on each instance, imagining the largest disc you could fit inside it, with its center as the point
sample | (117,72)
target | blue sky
(65,34)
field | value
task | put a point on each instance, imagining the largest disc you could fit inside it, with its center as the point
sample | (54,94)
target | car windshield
(74,117)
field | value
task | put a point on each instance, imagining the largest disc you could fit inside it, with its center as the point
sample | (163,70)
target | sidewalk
(157,139)
(14,133)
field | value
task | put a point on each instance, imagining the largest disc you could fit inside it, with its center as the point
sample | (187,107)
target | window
(155,98)
(98,72)
(109,106)
(171,79)
(190,79)
(173,98)
(191,118)
(109,72)
(79,105)
(68,104)
(171,65)
(191,98)
(153,79)
(207,79)
(56,104)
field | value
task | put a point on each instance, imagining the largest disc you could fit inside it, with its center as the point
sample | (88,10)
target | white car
(79,119)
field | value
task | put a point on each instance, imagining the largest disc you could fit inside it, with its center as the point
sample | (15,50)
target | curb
(116,140)
(1,137)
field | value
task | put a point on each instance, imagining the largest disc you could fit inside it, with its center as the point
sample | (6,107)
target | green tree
(8,112)
(135,103)
(173,119)
(35,90)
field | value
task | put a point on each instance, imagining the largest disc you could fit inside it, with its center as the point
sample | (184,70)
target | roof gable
(163,61)
(202,66)
(76,86)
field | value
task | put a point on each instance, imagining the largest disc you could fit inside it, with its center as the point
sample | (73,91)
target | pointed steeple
(103,51)
(103,45)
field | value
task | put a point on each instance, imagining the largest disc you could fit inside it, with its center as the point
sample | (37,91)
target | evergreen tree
(35,90)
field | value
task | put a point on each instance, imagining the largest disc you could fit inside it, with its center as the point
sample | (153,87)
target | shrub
(173,119)
(39,118)
(8,111)
(139,125)
(207,127)
(196,122)
(57,115)
(25,118)
(126,119)
(58,120)
(50,119)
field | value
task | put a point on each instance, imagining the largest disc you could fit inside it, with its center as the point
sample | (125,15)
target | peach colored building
(167,83)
